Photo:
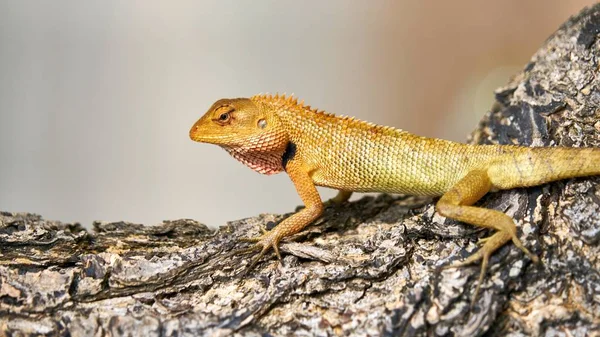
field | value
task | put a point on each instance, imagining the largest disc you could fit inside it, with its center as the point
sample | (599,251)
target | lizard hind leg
(456,204)
(340,198)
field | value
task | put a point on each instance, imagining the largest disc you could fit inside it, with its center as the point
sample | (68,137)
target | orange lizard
(271,134)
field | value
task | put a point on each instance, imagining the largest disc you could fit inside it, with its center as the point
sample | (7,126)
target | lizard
(274,133)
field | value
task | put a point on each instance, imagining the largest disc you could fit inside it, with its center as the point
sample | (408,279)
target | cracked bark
(367,267)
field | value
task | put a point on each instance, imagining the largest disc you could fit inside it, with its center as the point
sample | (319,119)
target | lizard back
(349,154)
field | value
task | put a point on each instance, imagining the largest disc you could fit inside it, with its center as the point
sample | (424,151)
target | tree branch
(367,267)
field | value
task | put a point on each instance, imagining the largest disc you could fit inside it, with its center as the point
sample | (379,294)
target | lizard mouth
(203,138)
(194,134)
(197,136)
(207,138)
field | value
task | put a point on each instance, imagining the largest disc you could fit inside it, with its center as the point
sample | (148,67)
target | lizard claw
(482,241)
(249,239)
(263,243)
(482,254)
(255,239)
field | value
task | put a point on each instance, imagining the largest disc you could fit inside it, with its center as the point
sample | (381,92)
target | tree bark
(369,267)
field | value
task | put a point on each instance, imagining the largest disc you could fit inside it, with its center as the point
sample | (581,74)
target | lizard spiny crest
(286,102)
(291,103)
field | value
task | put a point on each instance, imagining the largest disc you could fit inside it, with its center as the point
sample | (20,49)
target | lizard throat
(262,162)
(263,151)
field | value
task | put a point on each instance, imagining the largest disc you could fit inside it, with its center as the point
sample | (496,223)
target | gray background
(97,97)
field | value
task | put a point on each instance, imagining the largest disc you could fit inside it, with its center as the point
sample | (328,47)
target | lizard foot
(490,244)
(482,254)
(263,243)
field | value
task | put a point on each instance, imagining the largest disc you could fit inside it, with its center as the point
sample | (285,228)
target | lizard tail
(524,166)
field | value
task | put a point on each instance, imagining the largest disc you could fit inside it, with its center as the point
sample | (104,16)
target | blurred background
(97,97)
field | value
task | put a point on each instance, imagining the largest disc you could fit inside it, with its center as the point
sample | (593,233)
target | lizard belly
(388,181)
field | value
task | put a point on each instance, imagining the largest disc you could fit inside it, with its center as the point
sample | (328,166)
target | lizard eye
(224,117)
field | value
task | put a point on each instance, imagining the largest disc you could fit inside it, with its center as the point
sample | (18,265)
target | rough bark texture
(366,268)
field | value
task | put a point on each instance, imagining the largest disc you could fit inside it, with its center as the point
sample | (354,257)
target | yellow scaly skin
(271,134)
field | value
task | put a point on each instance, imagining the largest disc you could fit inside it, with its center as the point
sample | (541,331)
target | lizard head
(249,131)
(238,122)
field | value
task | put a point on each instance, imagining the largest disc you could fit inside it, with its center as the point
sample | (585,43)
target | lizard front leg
(300,176)
(456,204)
